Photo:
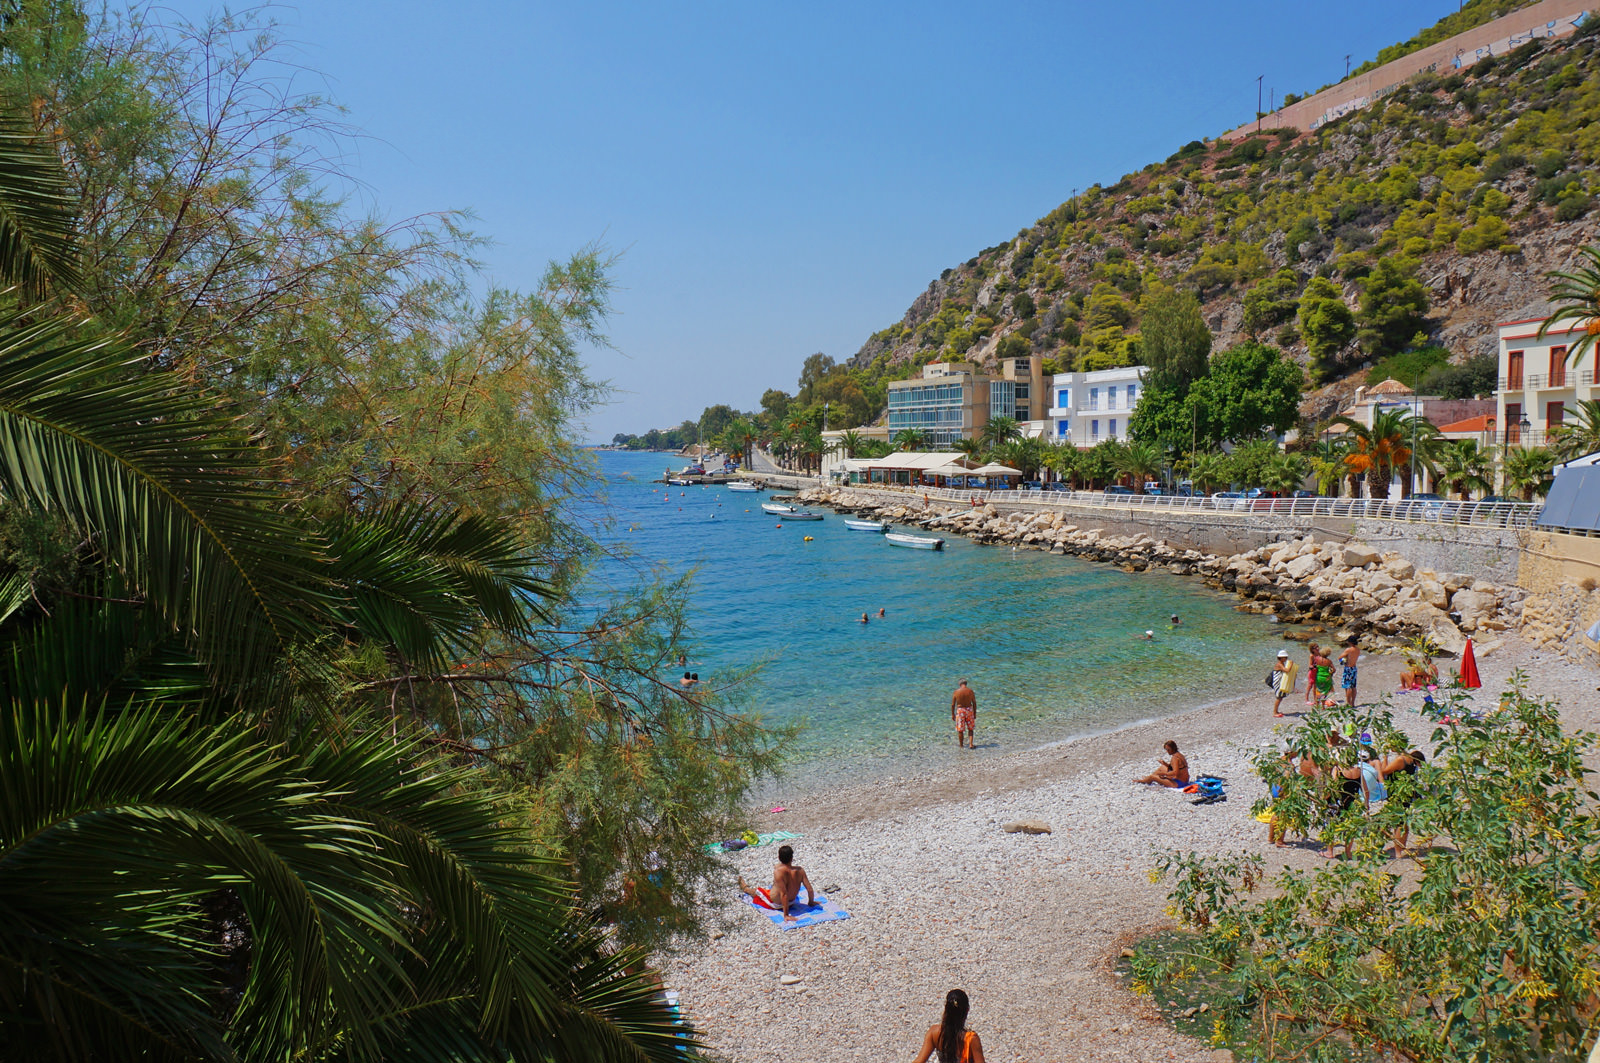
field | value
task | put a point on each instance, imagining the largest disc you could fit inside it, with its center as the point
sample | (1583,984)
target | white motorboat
(743,485)
(867,525)
(914,542)
(778,509)
(802,514)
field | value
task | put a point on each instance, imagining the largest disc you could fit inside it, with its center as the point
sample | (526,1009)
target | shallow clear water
(1051,644)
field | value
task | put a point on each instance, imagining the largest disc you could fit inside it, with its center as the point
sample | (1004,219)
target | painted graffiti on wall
(1560,27)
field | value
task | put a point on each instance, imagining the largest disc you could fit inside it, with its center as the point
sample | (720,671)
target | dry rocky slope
(1403,176)
(1379,595)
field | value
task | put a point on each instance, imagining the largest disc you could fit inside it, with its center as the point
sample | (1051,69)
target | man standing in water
(964,713)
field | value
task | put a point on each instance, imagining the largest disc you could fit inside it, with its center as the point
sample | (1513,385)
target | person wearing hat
(1283,672)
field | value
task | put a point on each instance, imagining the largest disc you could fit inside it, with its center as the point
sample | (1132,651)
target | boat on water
(802,514)
(780,509)
(867,525)
(675,482)
(743,485)
(914,542)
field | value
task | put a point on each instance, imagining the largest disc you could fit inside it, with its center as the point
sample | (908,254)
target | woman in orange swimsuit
(951,1038)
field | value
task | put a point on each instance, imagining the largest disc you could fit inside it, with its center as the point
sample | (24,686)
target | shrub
(1487,232)
(1573,208)
(1475,376)
(1549,163)
(1487,953)
(1409,367)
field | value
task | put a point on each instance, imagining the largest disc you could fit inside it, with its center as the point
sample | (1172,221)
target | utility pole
(1258,101)
(1347,66)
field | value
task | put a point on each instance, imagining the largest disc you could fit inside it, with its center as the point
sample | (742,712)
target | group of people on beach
(1340,783)
(949,1037)
(1319,676)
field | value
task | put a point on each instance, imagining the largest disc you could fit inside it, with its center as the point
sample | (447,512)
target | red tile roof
(1479,423)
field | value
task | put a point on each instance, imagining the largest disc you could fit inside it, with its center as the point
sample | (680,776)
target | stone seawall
(1486,553)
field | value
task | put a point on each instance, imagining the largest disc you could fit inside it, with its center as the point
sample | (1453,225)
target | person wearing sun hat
(1283,672)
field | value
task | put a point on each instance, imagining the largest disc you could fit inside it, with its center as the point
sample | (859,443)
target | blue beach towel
(826,910)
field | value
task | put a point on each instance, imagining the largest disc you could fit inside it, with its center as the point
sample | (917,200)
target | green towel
(761,839)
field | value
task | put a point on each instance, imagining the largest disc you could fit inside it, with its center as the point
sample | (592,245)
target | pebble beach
(1031,926)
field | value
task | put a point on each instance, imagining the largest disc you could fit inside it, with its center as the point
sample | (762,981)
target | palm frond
(376,900)
(38,240)
(173,496)
(425,581)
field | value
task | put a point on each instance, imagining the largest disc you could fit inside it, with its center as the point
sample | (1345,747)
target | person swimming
(865,619)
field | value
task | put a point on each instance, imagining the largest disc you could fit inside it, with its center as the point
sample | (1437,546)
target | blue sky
(784,179)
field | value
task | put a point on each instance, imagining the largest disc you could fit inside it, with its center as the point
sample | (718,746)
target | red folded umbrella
(1469,669)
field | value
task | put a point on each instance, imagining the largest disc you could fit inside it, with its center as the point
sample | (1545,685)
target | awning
(949,470)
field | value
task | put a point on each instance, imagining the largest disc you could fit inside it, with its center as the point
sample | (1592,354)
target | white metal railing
(1420,511)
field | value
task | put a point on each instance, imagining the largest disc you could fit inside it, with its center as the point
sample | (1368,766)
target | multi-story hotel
(953,400)
(1538,382)
(1086,408)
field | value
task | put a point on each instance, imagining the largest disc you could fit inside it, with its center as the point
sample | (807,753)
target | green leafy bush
(1491,953)
(1486,233)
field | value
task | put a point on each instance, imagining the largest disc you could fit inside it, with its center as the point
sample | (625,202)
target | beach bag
(1272,680)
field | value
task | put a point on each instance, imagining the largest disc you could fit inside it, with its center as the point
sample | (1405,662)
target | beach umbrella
(1469,669)
(996,469)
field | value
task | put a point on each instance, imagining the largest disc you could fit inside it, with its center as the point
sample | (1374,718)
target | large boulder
(1357,555)
(1303,567)
(1434,594)
(1399,568)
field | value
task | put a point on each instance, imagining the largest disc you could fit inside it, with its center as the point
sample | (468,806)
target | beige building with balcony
(1538,382)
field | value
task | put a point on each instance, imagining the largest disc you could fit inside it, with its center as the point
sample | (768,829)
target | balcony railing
(1540,381)
(1415,511)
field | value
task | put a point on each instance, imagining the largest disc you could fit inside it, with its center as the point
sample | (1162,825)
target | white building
(1538,382)
(1086,408)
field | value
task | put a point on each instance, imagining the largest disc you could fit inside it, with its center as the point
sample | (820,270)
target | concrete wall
(1555,558)
(1547,18)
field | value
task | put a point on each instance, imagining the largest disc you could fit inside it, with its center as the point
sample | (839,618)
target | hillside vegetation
(1402,232)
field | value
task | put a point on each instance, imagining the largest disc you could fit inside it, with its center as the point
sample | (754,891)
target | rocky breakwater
(1299,580)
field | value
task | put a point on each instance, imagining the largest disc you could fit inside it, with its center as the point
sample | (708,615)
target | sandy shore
(1030,926)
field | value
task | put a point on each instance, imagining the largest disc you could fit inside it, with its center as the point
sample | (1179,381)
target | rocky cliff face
(1484,179)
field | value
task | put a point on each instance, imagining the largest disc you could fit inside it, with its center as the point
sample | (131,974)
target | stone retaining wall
(1484,552)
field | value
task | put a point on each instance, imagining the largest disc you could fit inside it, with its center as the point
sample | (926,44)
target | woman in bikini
(1174,772)
(1402,763)
(951,1038)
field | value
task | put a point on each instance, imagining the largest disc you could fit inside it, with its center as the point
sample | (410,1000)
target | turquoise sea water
(1051,644)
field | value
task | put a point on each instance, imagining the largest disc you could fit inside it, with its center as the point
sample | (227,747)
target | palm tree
(1001,430)
(1284,473)
(849,442)
(1064,460)
(1528,471)
(1464,467)
(1141,460)
(971,449)
(741,438)
(1024,455)
(911,439)
(1577,299)
(1579,434)
(1383,448)
(1207,470)
(1099,463)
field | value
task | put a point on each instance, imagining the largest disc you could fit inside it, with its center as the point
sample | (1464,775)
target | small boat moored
(743,485)
(778,509)
(867,525)
(802,514)
(914,542)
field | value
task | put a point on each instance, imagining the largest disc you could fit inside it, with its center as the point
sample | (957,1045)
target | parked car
(1305,494)
(1032,485)
(1228,500)
(1118,489)
(1057,485)
(1425,505)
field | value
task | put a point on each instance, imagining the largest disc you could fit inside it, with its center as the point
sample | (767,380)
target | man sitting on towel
(786,882)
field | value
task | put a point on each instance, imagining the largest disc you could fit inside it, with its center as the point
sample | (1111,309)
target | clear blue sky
(784,179)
